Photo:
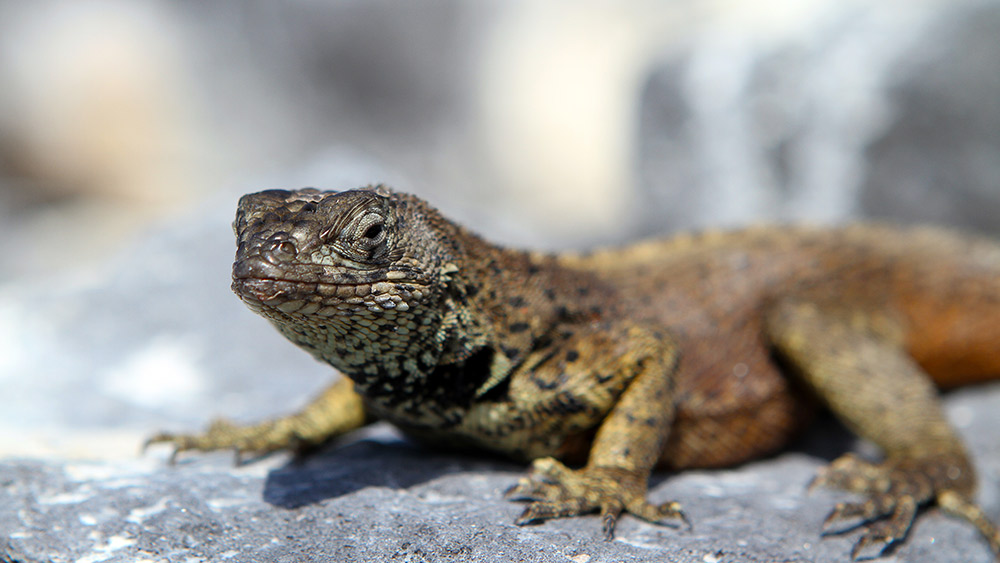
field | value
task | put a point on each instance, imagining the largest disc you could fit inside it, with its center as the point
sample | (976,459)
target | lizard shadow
(826,438)
(386,460)
(336,469)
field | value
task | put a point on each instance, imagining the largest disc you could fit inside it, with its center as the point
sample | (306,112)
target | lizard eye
(373,232)
(361,230)
(370,239)
(370,228)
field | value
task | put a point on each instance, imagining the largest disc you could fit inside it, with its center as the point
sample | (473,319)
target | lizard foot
(246,441)
(895,490)
(555,491)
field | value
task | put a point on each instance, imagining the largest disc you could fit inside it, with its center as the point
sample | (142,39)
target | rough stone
(382,499)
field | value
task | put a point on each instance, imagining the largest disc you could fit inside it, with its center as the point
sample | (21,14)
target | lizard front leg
(627,444)
(857,365)
(335,411)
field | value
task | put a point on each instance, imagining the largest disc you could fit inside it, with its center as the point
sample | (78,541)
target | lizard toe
(881,535)
(212,439)
(847,516)
(539,511)
(551,470)
(528,489)
(853,474)
(610,511)
(667,514)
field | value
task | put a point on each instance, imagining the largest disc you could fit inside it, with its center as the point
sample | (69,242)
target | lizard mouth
(269,290)
(262,287)
(267,296)
(260,280)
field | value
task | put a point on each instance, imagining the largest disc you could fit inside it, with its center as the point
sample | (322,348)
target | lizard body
(700,351)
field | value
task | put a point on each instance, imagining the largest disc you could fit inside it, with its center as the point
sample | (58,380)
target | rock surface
(383,500)
(380,499)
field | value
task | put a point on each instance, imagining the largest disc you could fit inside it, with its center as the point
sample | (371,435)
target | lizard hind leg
(858,367)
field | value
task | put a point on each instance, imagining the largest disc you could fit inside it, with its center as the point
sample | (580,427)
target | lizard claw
(174,440)
(555,491)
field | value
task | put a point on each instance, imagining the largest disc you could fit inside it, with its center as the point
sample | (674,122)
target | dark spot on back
(544,384)
(510,351)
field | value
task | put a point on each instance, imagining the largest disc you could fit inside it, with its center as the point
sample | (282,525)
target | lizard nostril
(285,248)
(278,249)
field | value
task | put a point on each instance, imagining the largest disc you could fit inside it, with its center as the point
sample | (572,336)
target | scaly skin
(701,351)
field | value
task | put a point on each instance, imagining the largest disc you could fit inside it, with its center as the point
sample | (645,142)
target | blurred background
(128,129)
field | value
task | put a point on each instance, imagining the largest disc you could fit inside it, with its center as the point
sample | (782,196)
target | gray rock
(382,499)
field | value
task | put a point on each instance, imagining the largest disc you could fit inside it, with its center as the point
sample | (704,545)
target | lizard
(702,350)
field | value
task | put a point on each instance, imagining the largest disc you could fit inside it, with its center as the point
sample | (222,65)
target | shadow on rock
(336,470)
(339,468)
(826,439)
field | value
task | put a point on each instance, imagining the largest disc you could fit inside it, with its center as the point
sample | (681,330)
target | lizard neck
(490,309)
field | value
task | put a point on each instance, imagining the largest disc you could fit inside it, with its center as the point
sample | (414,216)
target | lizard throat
(398,356)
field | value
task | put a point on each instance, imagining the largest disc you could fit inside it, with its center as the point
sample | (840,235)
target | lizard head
(342,274)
